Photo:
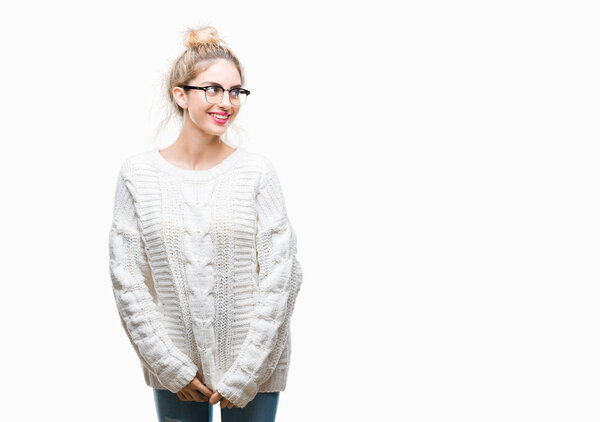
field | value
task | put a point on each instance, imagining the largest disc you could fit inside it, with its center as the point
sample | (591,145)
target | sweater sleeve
(134,294)
(280,278)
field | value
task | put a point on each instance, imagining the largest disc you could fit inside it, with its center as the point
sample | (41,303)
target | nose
(225,95)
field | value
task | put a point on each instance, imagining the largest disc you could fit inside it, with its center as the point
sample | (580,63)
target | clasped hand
(197,391)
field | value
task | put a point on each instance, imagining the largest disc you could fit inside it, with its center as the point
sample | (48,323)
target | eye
(235,92)
(212,89)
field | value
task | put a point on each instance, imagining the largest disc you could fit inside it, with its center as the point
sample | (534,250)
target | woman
(203,256)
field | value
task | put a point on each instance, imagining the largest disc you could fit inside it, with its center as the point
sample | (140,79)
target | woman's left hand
(214,399)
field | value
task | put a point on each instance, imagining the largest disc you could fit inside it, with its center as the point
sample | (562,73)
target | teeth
(220,116)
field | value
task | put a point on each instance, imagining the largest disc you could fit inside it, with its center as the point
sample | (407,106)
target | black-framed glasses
(214,94)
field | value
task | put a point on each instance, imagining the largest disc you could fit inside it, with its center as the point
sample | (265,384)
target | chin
(216,132)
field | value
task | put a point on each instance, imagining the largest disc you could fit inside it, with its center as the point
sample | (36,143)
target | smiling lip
(219,120)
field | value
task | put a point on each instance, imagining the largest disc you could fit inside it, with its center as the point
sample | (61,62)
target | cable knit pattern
(279,282)
(135,295)
(204,272)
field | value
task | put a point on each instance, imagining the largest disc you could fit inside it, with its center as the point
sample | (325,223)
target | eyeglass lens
(215,93)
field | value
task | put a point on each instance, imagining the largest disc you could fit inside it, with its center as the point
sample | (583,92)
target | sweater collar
(196,175)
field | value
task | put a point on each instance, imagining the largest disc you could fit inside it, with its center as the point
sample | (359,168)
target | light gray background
(440,165)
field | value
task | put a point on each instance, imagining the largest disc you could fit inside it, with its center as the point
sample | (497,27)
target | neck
(195,149)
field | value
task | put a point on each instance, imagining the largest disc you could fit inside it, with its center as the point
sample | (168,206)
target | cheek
(200,117)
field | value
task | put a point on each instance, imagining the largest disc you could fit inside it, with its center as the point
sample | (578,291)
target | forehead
(221,71)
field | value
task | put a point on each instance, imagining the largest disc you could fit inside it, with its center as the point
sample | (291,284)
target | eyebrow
(218,84)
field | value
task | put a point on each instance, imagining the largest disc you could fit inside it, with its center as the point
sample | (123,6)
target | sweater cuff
(179,379)
(238,389)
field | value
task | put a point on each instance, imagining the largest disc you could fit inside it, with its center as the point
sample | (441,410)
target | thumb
(214,399)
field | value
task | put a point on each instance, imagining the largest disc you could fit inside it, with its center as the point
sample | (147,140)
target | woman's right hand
(190,392)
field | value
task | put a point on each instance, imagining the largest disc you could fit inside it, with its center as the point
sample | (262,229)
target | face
(199,111)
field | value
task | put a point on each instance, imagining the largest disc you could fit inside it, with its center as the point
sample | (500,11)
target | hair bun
(194,38)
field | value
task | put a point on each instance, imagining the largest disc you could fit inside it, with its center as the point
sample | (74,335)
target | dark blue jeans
(170,409)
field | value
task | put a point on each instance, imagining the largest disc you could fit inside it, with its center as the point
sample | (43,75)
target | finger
(199,385)
(227,403)
(196,395)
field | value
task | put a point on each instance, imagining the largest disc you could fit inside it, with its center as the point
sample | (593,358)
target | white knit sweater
(204,272)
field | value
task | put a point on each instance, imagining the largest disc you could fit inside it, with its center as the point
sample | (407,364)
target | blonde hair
(203,47)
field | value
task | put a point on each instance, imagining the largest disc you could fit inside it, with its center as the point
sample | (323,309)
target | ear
(180,97)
